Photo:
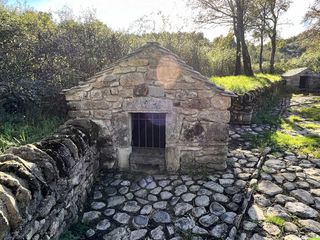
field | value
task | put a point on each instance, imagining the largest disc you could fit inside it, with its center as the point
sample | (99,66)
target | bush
(20,129)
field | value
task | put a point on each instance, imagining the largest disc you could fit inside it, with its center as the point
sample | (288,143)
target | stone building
(302,79)
(156,113)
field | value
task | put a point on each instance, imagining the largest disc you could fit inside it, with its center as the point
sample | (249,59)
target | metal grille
(148,130)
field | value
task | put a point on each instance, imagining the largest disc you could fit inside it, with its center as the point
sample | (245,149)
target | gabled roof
(295,71)
(156,46)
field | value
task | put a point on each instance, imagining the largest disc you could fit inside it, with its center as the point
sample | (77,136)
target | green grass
(242,84)
(311,113)
(312,126)
(275,220)
(283,141)
(18,129)
(294,118)
(290,123)
(74,232)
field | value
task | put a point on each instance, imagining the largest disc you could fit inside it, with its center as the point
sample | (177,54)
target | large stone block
(96,94)
(204,133)
(172,158)
(156,91)
(78,114)
(141,90)
(197,103)
(192,132)
(123,157)
(210,159)
(221,116)
(168,71)
(76,96)
(4,223)
(22,194)
(221,102)
(218,149)
(120,123)
(215,132)
(131,79)
(143,104)
(93,105)
(102,114)
(187,161)
(9,202)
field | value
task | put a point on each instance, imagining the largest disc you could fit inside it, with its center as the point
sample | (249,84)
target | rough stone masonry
(43,186)
(154,80)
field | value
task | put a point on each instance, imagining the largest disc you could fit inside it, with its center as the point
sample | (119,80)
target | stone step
(142,160)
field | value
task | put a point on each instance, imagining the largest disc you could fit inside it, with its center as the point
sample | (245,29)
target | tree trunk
(273,39)
(247,68)
(261,51)
(238,49)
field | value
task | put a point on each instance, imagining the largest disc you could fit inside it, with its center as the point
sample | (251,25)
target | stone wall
(44,185)
(243,107)
(155,80)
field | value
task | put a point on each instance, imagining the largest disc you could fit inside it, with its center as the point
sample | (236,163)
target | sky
(122,14)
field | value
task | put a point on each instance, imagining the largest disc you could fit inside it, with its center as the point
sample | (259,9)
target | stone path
(285,199)
(286,202)
(125,206)
(164,207)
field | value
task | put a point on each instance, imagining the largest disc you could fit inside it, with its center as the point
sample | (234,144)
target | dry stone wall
(44,185)
(243,107)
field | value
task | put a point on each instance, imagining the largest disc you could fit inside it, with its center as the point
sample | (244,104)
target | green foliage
(275,220)
(39,56)
(300,51)
(265,115)
(243,84)
(74,232)
(67,235)
(222,56)
(18,129)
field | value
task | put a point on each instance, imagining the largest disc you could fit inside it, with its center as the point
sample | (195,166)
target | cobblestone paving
(286,202)
(285,199)
(127,206)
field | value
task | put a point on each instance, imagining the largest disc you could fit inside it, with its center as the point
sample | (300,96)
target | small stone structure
(302,79)
(43,186)
(156,113)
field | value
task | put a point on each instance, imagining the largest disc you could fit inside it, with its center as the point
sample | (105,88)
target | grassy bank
(242,84)
(19,129)
(299,132)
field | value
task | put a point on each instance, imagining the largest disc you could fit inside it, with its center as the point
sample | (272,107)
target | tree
(230,13)
(312,17)
(276,8)
(214,12)
(241,7)
(259,12)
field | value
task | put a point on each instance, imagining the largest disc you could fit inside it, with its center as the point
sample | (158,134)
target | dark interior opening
(304,82)
(148,130)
